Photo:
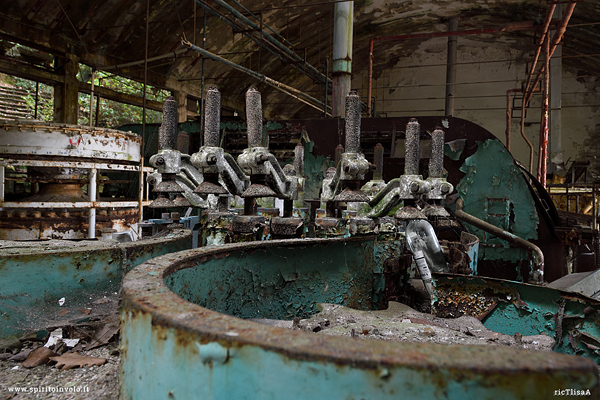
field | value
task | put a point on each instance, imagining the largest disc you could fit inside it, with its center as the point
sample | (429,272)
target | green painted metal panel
(493,189)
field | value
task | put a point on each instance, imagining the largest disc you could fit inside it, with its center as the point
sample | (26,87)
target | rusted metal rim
(144,291)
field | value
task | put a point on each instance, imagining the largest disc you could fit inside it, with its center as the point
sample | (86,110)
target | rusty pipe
(560,30)
(534,252)
(544,33)
(542,169)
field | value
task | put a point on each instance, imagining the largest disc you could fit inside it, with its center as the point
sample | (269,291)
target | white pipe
(92,194)
(2,183)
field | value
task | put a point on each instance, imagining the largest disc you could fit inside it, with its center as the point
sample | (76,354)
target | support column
(66,94)
(556,152)
(342,56)
(451,68)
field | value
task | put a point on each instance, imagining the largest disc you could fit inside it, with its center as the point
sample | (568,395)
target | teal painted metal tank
(186,334)
(34,276)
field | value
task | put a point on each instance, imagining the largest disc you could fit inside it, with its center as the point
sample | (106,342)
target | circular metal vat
(184,334)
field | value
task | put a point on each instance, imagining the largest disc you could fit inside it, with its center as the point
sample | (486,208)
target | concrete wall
(488,65)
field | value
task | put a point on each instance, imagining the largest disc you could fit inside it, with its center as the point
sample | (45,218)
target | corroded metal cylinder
(254,117)
(212,117)
(436,163)
(167,133)
(378,161)
(352,122)
(411,152)
(299,160)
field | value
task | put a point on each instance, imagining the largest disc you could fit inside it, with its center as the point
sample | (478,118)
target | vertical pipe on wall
(451,67)
(92,97)
(544,128)
(143,150)
(342,55)
(93,174)
(556,153)
(202,79)
(1,183)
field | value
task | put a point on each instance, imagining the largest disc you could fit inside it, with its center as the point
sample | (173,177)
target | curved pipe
(532,249)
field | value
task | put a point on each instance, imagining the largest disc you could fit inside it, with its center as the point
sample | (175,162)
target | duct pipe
(93,174)
(342,55)
(290,91)
(451,68)
(411,152)
(534,252)
(436,163)
(513,26)
(212,117)
(254,120)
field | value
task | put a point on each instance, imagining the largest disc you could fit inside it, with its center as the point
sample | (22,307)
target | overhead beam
(110,94)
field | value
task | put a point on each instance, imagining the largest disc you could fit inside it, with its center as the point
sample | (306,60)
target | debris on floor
(69,359)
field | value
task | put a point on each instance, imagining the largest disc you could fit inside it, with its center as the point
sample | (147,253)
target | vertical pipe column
(542,171)
(352,121)
(93,174)
(451,68)
(254,117)
(92,97)
(202,79)
(212,117)
(436,163)
(378,161)
(342,55)
(555,124)
(411,152)
(2,183)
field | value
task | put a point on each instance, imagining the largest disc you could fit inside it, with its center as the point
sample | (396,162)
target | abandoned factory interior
(299,199)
